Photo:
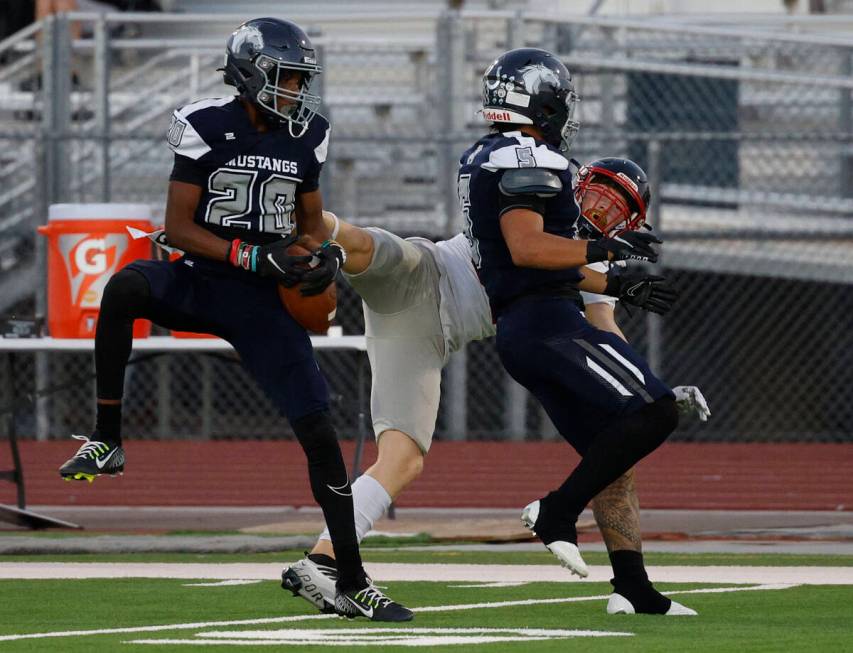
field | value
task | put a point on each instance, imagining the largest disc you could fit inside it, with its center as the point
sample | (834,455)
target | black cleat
(371,603)
(94,458)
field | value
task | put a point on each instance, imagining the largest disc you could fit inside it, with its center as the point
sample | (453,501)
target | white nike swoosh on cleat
(367,613)
(100,462)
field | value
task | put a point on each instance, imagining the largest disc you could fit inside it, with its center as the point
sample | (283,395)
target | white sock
(369,501)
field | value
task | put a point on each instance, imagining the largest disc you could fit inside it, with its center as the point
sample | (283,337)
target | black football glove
(647,291)
(331,258)
(630,245)
(271,261)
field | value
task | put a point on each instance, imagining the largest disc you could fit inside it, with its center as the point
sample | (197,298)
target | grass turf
(739,621)
(803,619)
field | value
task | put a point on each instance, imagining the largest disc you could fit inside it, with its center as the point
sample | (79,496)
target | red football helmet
(613,196)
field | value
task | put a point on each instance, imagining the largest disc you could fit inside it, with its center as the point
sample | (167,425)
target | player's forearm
(356,241)
(196,240)
(309,219)
(548,252)
(182,232)
(593,281)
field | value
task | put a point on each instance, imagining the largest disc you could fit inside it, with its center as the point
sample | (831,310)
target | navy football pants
(585,378)
(244,309)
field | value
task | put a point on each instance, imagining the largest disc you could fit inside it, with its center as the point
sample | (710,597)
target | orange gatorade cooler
(87,244)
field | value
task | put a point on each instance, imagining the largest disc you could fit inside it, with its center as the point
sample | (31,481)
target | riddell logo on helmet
(496,115)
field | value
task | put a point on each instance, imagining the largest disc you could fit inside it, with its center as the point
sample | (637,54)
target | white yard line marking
(223,583)
(429,608)
(576,599)
(395,571)
(497,583)
(380,636)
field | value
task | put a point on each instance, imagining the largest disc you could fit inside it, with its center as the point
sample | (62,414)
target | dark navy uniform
(250,181)
(585,378)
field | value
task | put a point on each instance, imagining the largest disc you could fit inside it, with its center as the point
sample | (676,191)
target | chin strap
(301,133)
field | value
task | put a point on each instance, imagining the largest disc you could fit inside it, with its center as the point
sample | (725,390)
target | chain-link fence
(746,133)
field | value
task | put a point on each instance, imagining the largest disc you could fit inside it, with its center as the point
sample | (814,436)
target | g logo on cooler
(90,256)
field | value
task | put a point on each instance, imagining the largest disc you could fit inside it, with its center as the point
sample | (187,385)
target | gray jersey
(463,304)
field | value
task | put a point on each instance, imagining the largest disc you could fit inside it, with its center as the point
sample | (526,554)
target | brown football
(314,313)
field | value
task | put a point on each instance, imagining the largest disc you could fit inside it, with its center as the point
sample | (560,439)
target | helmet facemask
(607,207)
(296,107)
(571,126)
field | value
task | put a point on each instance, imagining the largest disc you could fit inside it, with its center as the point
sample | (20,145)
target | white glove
(690,400)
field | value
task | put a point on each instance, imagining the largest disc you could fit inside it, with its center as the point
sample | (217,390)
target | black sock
(108,423)
(553,523)
(322,559)
(331,489)
(614,452)
(631,581)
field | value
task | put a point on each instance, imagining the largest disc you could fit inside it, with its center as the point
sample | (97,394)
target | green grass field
(158,614)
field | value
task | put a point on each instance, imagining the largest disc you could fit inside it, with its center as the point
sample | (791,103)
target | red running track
(457,474)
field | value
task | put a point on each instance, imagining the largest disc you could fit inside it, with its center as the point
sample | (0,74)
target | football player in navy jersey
(244,180)
(516,194)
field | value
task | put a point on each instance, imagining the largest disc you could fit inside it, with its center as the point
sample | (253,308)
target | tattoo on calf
(617,513)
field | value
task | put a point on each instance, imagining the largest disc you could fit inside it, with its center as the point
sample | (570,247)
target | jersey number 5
(464,190)
(234,198)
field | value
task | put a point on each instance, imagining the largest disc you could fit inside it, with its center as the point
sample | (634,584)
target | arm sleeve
(188,171)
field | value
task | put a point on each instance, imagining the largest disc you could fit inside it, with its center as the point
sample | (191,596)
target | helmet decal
(246,34)
(534,75)
(627,180)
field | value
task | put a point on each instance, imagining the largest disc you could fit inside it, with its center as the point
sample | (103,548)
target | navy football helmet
(259,57)
(529,86)
(613,196)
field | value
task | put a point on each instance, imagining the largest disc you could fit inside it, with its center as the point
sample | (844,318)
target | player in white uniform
(423,301)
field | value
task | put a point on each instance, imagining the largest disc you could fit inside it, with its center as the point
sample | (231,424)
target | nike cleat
(559,538)
(313,580)
(93,459)
(371,603)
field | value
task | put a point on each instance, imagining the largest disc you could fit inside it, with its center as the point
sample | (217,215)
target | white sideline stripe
(311,617)
(497,583)
(224,583)
(398,571)
(604,374)
(625,362)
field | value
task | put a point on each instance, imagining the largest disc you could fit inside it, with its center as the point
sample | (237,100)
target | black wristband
(595,252)
(614,282)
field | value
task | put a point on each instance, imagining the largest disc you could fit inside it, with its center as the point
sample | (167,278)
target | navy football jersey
(480,171)
(250,178)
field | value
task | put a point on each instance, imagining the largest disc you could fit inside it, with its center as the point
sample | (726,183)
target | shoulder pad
(184,139)
(530,181)
(525,152)
(188,126)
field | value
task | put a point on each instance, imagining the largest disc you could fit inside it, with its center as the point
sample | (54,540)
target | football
(314,313)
